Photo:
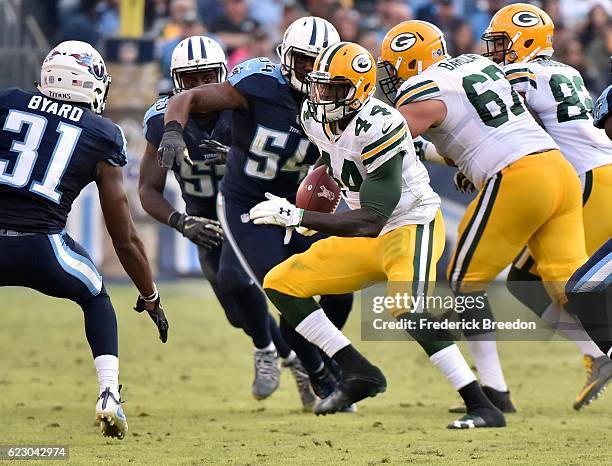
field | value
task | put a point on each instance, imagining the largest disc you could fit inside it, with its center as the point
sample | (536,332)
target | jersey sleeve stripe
(385,150)
(413,96)
(520,75)
(417,87)
(383,143)
(517,70)
(524,79)
(381,140)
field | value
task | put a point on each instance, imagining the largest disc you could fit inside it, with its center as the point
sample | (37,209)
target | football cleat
(302,381)
(479,419)
(267,373)
(355,386)
(599,374)
(323,383)
(110,416)
(501,400)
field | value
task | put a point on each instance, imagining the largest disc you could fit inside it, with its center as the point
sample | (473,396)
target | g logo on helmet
(525,19)
(362,63)
(403,42)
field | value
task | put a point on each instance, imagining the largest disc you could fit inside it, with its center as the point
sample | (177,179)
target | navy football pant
(262,248)
(589,294)
(58,266)
(238,297)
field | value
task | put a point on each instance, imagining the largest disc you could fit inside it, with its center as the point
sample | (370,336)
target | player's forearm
(179,106)
(352,223)
(155,204)
(131,253)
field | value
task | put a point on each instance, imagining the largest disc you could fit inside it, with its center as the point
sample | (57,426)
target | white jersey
(376,133)
(556,93)
(487,126)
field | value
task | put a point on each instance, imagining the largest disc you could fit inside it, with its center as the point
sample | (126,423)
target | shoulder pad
(261,66)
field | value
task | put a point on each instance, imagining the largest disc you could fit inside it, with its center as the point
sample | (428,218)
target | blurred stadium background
(136,38)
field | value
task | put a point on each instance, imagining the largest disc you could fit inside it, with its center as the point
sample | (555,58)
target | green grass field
(189,402)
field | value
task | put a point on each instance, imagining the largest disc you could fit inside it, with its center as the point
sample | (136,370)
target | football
(318,192)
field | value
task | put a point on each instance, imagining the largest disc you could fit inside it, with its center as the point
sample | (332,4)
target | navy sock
(282,347)
(101,325)
(255,319)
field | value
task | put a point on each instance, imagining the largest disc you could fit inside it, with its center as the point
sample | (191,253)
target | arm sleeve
(417,89)
(382,188)
(602,108)
(118,154)
(521,78)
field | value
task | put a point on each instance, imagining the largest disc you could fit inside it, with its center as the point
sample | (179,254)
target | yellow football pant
(535,201)
(596,215)
(341,265)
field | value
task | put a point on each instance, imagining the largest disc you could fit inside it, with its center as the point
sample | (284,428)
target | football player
(528,193)
(520,37)
(602,111)
(393,231)
(196,61)
(54,143)
(269,153)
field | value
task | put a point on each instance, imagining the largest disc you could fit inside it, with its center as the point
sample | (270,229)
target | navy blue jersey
(269,152)
(199,184)
(49,151)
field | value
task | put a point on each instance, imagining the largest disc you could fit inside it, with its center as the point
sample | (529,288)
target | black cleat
(355,386)
(501,400)
(323,384)
(480,418)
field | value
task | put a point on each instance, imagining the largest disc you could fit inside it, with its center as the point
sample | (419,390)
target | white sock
(270,347)
(107,368)
(320,331)
(290,357)
(567,325)
(484,352)
(451,363)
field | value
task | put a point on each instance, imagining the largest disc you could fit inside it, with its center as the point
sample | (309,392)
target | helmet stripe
(313,35)
(331,52)
(203,48)
(325,34)
(189,50)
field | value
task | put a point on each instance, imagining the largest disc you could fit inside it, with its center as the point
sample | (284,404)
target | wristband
(152,297)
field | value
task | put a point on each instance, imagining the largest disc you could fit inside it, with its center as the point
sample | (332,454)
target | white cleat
(109,415)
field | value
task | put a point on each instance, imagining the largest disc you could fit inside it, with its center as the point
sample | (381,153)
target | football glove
(202,231)
(215,152)
(157,315)
(276,211)
(172,149)
(463,184)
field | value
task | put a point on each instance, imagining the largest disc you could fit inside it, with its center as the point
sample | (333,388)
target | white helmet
(74,71)
(197,53)
(308,36)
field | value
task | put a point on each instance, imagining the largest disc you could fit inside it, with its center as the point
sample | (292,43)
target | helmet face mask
(499,47)
(193,57)
(299,64)
(302,42)
(330,99)
(390,83)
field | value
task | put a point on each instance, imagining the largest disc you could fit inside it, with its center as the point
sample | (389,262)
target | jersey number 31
(27,153)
